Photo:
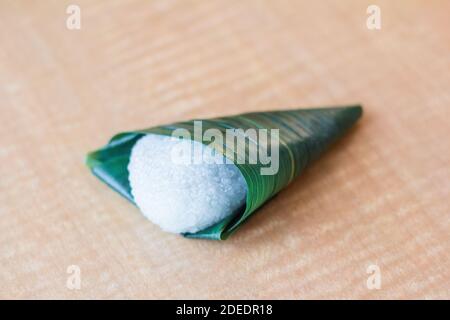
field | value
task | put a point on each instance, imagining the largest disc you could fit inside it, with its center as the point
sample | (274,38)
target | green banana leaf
(303,135)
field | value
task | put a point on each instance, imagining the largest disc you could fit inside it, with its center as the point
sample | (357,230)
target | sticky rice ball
(183,197)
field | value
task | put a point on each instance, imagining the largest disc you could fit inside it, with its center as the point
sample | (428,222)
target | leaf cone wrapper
(303,135)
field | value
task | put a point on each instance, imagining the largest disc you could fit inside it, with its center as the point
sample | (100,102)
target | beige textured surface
(381,196)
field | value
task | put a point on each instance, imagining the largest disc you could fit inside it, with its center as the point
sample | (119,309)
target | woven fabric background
(379,197)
